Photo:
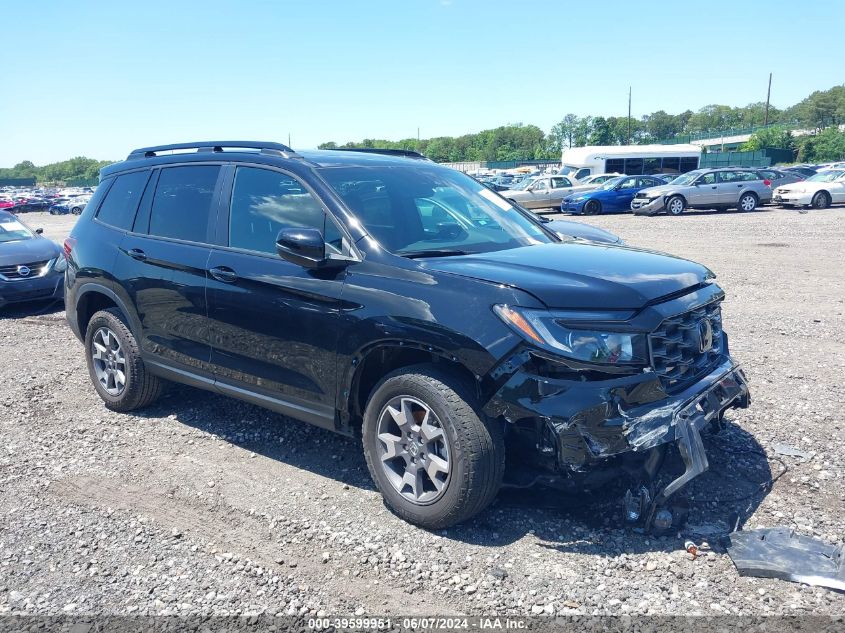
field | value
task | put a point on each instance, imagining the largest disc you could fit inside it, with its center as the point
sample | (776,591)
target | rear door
(730,184)
(163,264)
(275,325)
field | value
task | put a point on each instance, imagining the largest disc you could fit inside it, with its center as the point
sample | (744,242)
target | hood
(24,251)
(573,275)
(583,231)
(661,190)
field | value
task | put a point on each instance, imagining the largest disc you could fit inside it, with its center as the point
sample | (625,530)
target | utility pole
(768,96)
(629,116)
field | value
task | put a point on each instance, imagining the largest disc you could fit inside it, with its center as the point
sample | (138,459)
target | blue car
(613,196)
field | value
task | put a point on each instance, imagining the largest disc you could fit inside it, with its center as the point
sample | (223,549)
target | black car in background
(380,295)
(31,266)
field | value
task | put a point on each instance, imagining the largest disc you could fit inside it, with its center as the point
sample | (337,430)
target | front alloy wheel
(434,456)
(414,450)
(675,206)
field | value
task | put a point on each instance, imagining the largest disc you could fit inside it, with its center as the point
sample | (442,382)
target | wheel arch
(373,363)
(95,297)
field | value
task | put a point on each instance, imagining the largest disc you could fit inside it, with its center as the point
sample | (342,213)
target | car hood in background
(661,190)
(575,275)
(36,249)
(583,231)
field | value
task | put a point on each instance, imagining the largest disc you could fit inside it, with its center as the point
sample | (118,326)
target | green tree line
(822,111)
(72,169)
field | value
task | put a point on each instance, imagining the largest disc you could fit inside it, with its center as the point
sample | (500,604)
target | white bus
(580,162)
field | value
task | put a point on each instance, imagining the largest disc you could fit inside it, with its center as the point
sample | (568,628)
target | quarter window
(121,203)
(264,202)
(182,202)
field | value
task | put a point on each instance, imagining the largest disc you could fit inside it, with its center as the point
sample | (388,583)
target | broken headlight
(547,330)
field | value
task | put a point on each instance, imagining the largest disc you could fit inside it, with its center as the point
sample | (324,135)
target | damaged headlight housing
(547,330)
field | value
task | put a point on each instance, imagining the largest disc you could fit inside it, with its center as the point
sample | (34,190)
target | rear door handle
(224,274)
(137,253)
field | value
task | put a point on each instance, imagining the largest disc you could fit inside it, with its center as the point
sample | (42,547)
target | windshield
(524,184)
(687,178)
(610,184)
(12,230)
(826,176)
(429,208)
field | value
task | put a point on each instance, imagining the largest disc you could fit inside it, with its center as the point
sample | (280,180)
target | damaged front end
(592,423)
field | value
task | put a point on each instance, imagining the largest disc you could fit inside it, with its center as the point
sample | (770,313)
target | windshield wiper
(433,252)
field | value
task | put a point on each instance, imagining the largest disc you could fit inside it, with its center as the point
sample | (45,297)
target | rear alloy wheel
(675,205)
(114,364)
(748,202)
(76,211)
(592,207)
(821,200)
(434,459)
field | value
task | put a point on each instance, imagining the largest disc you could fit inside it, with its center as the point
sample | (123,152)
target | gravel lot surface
(203,504)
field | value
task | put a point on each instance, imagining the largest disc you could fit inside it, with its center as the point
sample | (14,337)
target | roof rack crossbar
(407,153)
(266,147)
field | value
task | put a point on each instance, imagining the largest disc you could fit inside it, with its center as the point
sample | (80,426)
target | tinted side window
(182,202)
(263,202)
(121,203)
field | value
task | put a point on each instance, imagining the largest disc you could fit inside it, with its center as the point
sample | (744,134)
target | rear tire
(441,428)
(114,364)
(821,200)
(675,205)
(592,207)
(747,202)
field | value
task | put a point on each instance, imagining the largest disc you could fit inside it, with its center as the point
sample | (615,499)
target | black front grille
(12,272)
(676,353)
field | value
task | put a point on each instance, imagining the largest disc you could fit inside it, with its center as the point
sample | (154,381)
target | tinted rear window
(122,200)
(182,202)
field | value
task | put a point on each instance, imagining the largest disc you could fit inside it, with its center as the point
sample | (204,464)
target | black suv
(380,294)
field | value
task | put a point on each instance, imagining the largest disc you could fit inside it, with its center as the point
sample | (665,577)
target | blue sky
(99,78)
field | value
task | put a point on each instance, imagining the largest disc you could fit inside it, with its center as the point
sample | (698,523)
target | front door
(561,187)
(275,325)
(538,194)
(705,191)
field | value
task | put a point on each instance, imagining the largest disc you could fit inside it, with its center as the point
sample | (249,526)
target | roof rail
(407,153)
(215,146)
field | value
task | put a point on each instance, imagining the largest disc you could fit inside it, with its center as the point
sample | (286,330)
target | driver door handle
(224,274)
(137,253)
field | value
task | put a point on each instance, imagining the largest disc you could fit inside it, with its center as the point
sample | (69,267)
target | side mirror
(302,246)
(39,231)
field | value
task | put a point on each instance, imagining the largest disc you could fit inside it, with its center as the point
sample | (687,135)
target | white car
(594,182)
(819,191)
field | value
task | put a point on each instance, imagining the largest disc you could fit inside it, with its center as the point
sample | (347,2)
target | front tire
(747,202)
(821,200)
(433,457)
(675,205)
(592,207)
(114,364)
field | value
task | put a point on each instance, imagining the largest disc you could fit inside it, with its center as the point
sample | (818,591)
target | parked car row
(57,201)
(721,189)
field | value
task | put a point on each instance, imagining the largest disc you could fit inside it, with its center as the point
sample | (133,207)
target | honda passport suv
(721,189)
(379,295)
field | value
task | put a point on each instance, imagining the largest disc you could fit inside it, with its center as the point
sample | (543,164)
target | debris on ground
(782,553)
